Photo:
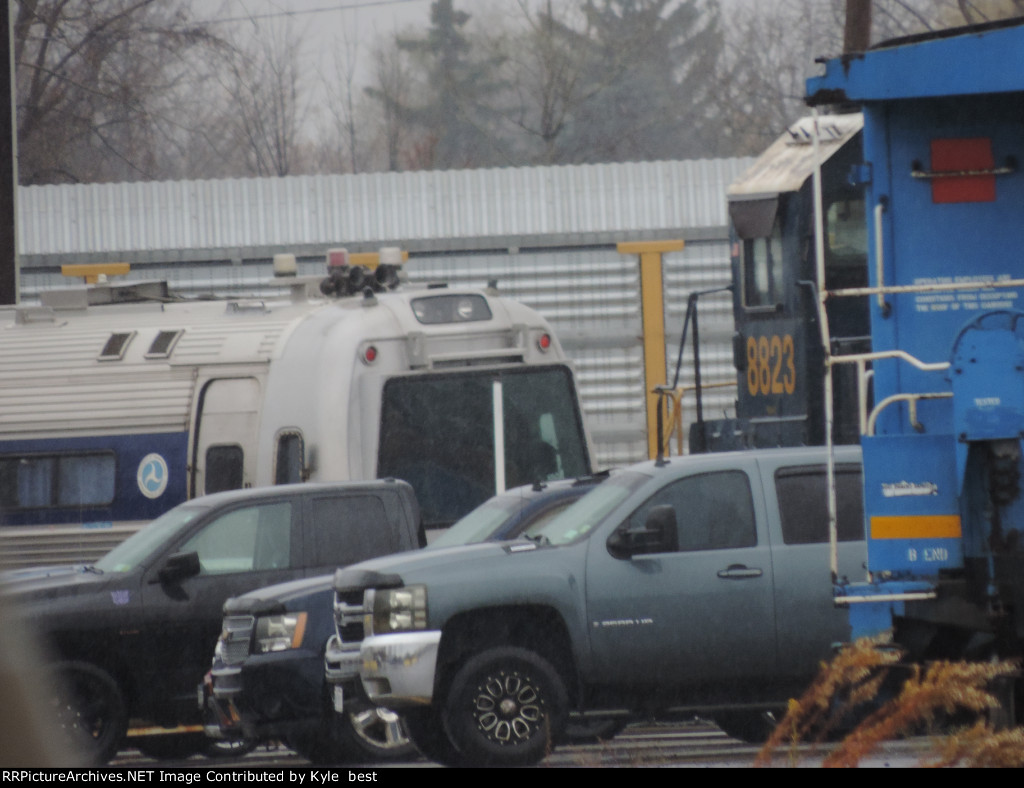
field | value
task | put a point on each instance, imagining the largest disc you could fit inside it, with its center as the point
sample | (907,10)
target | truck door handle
(738,572)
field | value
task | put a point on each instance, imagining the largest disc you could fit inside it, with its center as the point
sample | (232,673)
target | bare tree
(340,143)
(92,77)
(541,71)
(391,87)
(772,46)
(264,82)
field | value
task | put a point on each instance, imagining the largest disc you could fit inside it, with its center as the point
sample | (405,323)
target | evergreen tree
(448,112)
(649,82)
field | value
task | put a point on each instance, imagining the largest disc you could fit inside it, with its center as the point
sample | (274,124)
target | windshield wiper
(92,569)
(538,539)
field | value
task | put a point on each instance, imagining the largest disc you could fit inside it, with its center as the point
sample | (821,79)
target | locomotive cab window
(846,243)
(758,223)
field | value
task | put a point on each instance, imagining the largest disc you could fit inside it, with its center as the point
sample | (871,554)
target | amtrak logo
(152,475)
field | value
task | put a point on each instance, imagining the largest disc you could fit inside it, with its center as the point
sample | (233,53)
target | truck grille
(348,617)
(235,639)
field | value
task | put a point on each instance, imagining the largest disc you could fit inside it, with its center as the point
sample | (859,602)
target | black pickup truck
(131,636)
(699,585)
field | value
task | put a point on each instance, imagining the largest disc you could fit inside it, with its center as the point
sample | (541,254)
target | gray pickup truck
(694,586)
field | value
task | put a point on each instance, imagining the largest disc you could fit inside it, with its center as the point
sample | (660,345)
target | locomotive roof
(790,160)
(961,61)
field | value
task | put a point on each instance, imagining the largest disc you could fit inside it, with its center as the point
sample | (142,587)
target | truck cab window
(803,504)
(714,511)
(243,540)
(348,529)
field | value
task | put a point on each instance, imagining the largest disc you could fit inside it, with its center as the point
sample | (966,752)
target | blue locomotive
(943,132)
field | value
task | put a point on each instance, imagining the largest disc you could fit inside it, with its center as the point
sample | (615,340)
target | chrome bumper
(398,670)
(342,661)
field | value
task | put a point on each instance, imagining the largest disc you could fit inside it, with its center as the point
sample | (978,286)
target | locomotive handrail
(674,396)
(911,399)
(879,257)
(1009,169)
(863,375)
(910,596)
(924,366)
(929,288)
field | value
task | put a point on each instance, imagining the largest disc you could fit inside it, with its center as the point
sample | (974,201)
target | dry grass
(929,694)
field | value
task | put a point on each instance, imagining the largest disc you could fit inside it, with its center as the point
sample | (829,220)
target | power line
(321,10)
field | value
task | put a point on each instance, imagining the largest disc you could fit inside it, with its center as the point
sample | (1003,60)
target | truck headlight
(280,632)
(395,610)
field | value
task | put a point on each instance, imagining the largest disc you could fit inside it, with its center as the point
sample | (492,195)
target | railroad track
(673,746)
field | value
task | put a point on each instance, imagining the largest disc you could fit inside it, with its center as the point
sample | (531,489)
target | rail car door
(224,454)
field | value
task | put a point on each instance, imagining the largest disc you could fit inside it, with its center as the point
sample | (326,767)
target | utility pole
(8,163)
(857,32)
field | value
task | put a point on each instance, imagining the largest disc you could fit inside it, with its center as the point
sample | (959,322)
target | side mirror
(659,534)
(178,567)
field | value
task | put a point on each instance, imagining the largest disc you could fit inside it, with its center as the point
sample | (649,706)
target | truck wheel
(362,734)
(90,710)
(427,732)
(375,735)
(505,707)
(752,727)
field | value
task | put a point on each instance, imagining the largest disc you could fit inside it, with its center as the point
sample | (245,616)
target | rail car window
(349,530)
(803,504)
(288,464)
(433,310)
(41,481)
(115,346)
(163,344)
(223,468)
(437,433)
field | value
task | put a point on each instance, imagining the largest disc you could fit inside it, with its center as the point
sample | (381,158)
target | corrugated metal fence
(547,235)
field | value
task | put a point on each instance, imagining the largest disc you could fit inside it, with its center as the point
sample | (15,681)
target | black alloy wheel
(505,707)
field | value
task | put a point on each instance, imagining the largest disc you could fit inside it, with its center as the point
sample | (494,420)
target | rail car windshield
(459,438)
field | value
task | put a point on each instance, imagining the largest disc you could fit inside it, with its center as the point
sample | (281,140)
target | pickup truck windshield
(144,542)
(479,524)
(582,517)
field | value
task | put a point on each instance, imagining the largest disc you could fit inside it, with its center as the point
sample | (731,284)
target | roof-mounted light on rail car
(544,343)
(285,265)
(337,258)
(350,274)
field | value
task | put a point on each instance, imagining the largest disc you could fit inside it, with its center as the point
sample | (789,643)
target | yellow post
(652,305)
